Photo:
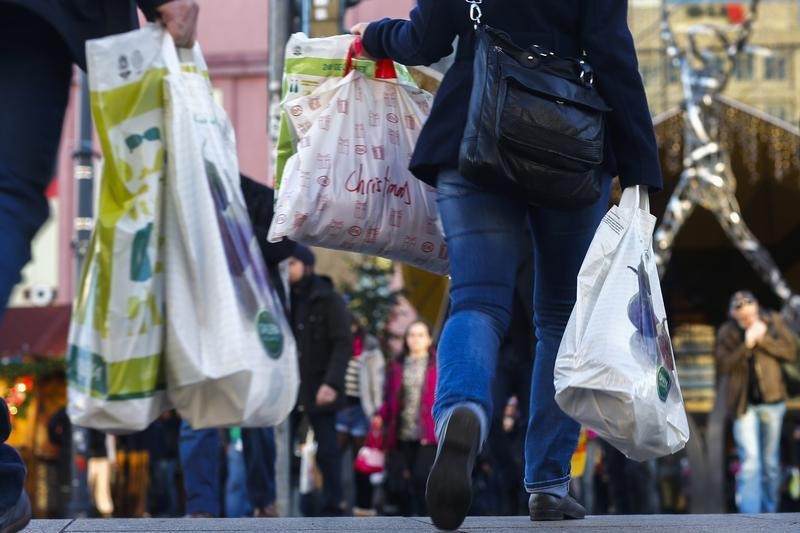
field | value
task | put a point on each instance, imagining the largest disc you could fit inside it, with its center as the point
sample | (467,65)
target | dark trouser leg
(615,463)
(363,490)
(422,467)
(36,72)
(259,458)
(35,76)
(200,461)
(329,461)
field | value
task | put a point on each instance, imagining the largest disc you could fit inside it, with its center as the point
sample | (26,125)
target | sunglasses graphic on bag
(135,140)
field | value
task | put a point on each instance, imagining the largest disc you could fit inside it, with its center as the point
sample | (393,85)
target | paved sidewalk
(776,523)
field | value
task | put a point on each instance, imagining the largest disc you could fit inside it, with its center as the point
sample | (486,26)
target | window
(775,66)
(650,74)
(744,67)
(720,63)
(779,111)
(673,73)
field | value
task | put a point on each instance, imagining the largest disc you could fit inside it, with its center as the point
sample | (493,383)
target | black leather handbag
(534,119)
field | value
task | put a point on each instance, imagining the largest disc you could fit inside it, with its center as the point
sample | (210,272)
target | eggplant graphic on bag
(655,336)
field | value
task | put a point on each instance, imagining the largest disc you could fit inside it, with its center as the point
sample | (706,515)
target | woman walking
(410,439)
(484,225)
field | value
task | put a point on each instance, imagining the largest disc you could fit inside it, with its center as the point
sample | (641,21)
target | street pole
(305,17)
(83,158)
(280,27)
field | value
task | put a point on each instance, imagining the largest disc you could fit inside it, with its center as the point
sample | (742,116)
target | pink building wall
(234,37)
(369,10)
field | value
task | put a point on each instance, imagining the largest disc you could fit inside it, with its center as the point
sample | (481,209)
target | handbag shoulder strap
(475,12)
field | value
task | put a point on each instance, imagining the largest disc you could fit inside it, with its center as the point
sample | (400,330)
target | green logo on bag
(664,382)
(270,334)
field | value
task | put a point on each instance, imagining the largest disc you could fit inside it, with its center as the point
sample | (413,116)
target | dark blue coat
(79,20)
(565,27)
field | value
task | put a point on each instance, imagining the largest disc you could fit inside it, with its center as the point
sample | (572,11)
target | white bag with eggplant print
(231,356)
(615,370)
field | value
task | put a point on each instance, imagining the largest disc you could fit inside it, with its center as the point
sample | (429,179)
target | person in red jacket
(407,419)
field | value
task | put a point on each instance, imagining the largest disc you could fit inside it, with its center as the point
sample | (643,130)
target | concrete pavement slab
(774,523)
(48,526)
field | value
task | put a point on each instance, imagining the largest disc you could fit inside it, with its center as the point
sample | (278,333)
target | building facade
(234,37)
(767,77)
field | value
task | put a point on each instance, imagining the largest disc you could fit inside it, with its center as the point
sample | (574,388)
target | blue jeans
(237,499)
(352,421)
(163,488)
(758,442)
(483,231)
(259,460)
(200,462)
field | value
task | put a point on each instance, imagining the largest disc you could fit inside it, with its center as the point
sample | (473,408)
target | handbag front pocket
(554,132)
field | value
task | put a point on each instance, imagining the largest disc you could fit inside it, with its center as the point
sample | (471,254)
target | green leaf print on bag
(141,268)
(143,313)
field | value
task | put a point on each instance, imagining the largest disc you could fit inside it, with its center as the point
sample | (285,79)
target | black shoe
(17,517)
(449,490)
(548,507)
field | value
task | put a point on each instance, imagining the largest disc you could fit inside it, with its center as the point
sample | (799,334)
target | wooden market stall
(33,342)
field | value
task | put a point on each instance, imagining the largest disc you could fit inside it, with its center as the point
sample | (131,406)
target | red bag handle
(384,68)
(374,437)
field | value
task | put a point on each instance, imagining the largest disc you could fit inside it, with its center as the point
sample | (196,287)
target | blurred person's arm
(260,201)
(111,449)
(379,378)
(730,350)
(382,414)
(778,342)
(341,342)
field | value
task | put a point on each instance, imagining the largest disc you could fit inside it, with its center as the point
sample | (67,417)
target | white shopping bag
(308,464)
(309,62)
(615,370)
(349,187)
(231,356)
(115,364)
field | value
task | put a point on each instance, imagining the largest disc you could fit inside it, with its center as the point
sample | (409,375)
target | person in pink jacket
(409,429)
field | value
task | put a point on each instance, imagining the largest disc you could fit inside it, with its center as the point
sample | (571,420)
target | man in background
(750,348)
(321,325)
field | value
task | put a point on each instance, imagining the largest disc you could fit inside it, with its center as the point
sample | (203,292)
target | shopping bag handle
(174,56)
(635,196)
(384,68)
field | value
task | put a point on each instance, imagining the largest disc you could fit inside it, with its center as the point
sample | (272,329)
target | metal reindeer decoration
(707,179)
